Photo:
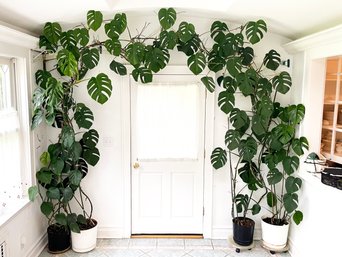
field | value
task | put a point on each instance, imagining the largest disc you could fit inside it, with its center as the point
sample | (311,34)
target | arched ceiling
(289,18)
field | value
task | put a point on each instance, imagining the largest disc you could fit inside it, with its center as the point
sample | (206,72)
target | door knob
(136,165)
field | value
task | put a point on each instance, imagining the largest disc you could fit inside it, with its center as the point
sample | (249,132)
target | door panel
(167,122)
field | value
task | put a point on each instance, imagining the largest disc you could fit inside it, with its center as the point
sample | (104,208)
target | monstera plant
(261,137)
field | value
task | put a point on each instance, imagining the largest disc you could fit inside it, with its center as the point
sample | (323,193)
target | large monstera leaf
(209,83)
(168,39)
(67,63)
(54,92)
(215,61)
(226,101)
(292,184)
(113,46)
(52,31)
(247,55)
(135,53)
(290,164)
(118,68)
(234,66)
(42,77)
(218,157)
(255,31)
(82,36)
(250,174)
(299,144)
(44,42)
(290,202)
(186,31)
(91,155)
(272,60)
(68,39)
(239,120)
(142,73)
(94,19)
(84,116)
(282,82)
(218,31)
(156,59)
(284,133)
(248,148)
(191,46)
(116,26)
(90,57)
(90,138)
(167,17)
(196,63)
(100,88)
(274,176)
(232,139)
(247,81)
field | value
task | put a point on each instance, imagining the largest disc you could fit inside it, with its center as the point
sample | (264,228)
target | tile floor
(163,247)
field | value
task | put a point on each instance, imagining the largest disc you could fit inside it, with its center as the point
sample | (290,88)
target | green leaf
(190,47)
(142,73)
(248,148)
(299,144)
(250,174)
(52,31)
(167,17)
(45,158)
(156,59)
(44,42)
(90,57)
(218,30)
(91,155)
(274,176)
(290,164)
(135,53)
(44,176)
(46,208)
(247,55)
(255,31)
(67,63)
(232,139)
(256,208)
(168,39)
(247,81)
(94,19)
(290,202)
(230,84)
(116,26)
(61,219)
(271,199)
(186,31)
(113,46)
(100,88)
(282,82)
(68,39)
(90,138)
(226,101)
(67,136)
(83,116)
(32,192)
(76,151)
(53,193)
(234,66)
(215,61)
(118,68)
(272,60)
(218,158)
(54,92)
(297,217)
(74,227)
(239,119)
(292,184)
(81,219)
(209,83)
(57,166)
(82,36)
(241,202)
(284,133)
(264,87)
(42,78)
(295,113)
(68,194)
(75,177)
(196,63)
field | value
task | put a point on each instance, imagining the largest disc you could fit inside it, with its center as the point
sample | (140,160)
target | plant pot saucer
(274,250)
(59,252)
(238,247)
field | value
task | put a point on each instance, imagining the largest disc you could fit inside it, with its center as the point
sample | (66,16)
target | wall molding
(110,232)
(38,247)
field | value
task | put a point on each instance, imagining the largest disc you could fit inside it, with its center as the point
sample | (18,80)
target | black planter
(243,231)
(58,239)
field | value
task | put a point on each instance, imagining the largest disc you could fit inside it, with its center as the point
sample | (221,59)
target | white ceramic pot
(84,241)
(274,236)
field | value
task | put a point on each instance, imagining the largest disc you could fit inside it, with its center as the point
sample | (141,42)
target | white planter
(84,241)
(274,236)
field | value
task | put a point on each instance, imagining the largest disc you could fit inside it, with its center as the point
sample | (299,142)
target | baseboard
(224,233)
(38,247)
(110,232)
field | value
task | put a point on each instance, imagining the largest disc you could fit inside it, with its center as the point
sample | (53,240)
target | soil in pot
(274,221)
(90,224)
(58,239)
(243,230)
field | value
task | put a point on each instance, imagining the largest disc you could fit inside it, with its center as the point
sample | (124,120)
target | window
(14,132)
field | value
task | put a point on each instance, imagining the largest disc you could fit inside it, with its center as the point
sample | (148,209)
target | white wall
(319,232)
(105,182)
(24,233)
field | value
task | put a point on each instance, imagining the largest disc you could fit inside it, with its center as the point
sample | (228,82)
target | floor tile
(123,253)
(170,243)
(198,244)
(113,243)
(93,253)
(140,243)
(220,244)
(207,253)
(166,253)
(248,253)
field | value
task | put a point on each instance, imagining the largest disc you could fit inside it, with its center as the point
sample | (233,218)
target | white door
(167,122)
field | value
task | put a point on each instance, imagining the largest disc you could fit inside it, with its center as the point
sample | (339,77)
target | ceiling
(290,18)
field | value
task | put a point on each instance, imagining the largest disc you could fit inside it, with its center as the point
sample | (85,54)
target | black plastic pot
(243,231)
(58,239)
